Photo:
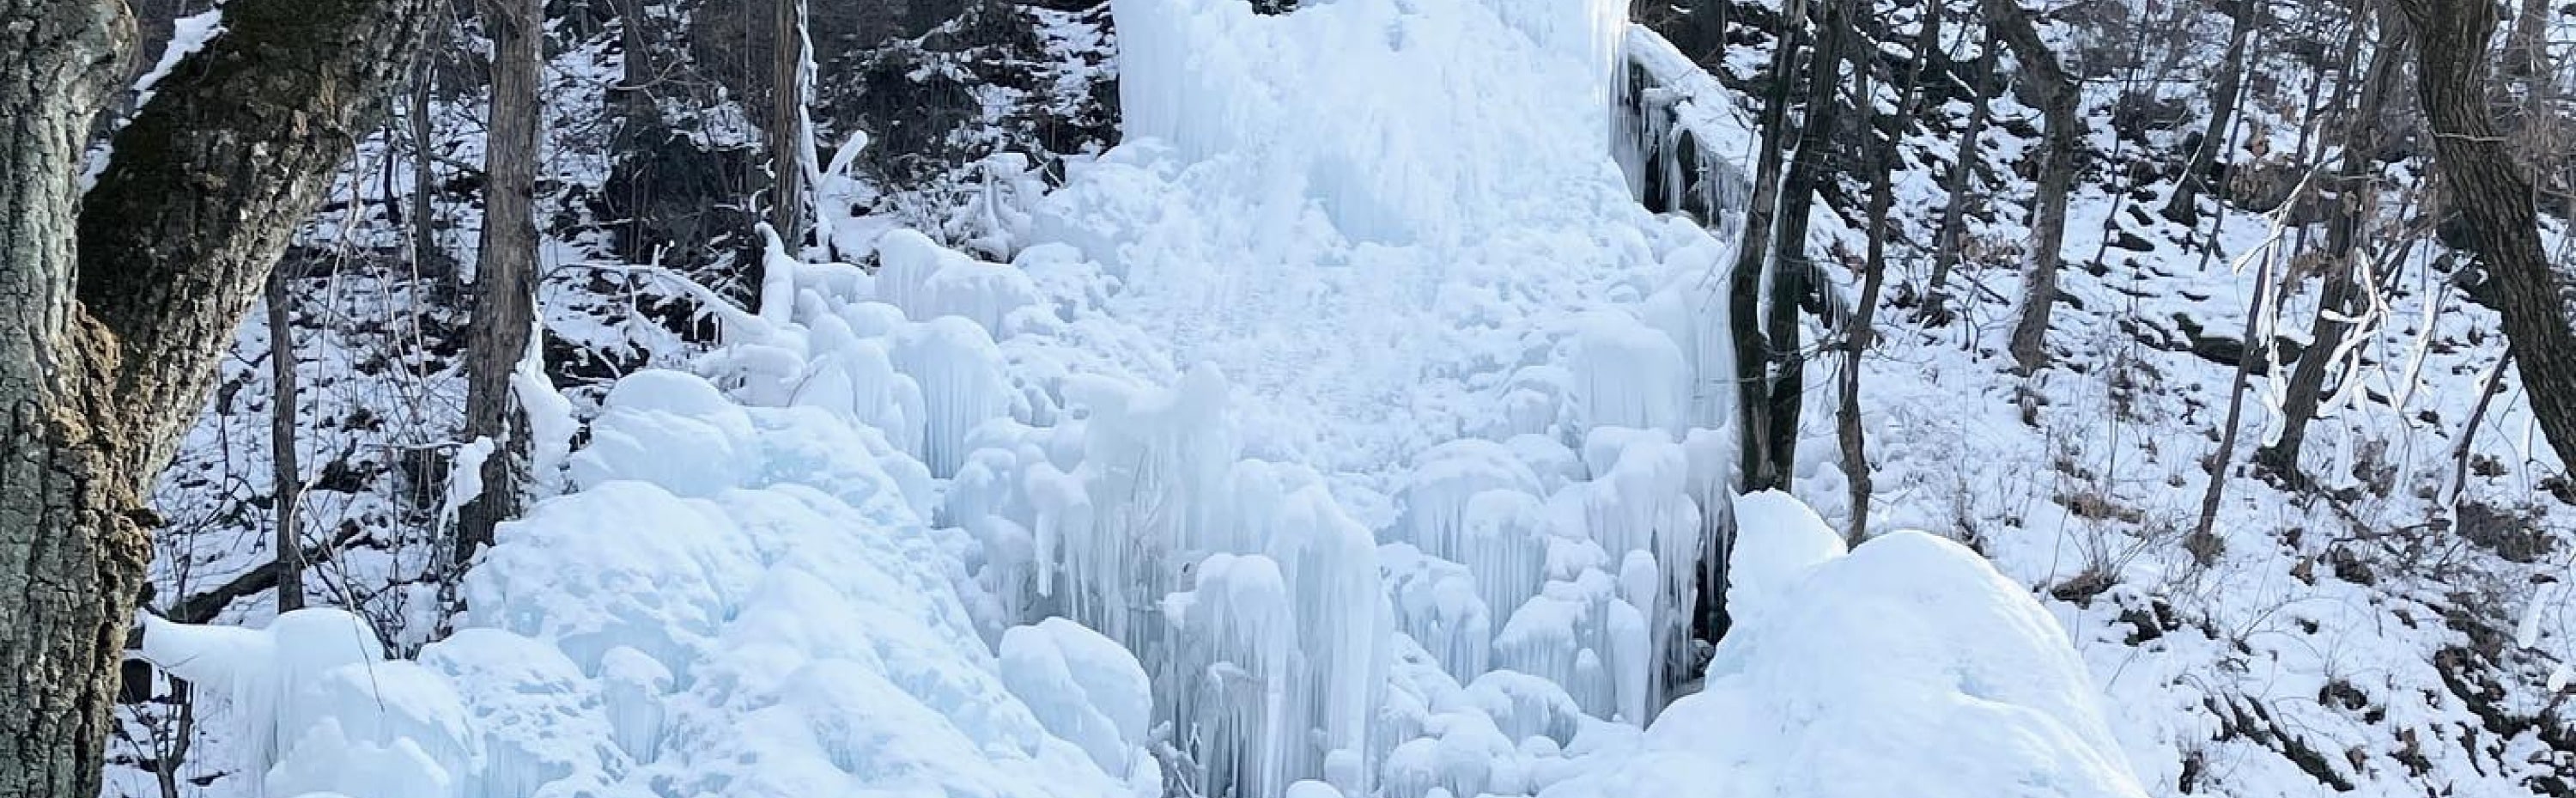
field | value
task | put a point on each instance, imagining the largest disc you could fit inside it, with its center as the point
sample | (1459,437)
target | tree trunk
(1936,296)
(1859,332)
(505,285)
(2058,98)
(426,260)
(70,561)
(2254,311)
(285,474)
(787,121)
(2526,52)
(2356,199)
(1744,283)
(104,364)
(2493,197)
(2224,97)
(1793,274)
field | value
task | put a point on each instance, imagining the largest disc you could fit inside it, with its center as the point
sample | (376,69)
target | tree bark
(2224,97)
(111,316)
(285,474)
(1793,274)
(1744,282)
(505,285)
(2483,184)
(2058,98)
(787,121)
(70,560)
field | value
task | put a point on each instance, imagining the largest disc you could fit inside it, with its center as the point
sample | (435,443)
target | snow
(1908,666)
(1331,436)
(316,708)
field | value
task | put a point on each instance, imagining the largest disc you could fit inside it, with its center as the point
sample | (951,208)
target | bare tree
(285,474)
(426,260)
(2341,300)
(2225,95)
(1883,160)
(1959,186)
(2054,90)
(118,301)
(505,285)
(2493,197)
(1793,273)
(1744,282)
(2259,309)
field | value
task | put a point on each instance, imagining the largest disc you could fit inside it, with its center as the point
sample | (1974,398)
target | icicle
(1235,630)
(1436,604)
(962,386)
(551,426)
(632,686)
(1627,374)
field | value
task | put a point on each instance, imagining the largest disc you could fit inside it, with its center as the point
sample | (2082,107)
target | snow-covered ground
(1348,430)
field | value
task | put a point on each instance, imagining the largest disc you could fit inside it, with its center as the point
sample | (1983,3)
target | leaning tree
(117,297)
(2493,198)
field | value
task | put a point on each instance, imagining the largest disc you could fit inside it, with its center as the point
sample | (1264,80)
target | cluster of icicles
(1541,577)
(1539,581)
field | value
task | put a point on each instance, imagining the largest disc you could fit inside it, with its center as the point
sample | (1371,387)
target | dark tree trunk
(2255,309)
(505,278)
(2483,184)
(285,474)
(2058,98)
(787,121)
(1793,274)
(70,558)
(1744,283)
(1883,160)
(2342,295)
(103,365)
(426,260)
(1959,185)
(2224,96)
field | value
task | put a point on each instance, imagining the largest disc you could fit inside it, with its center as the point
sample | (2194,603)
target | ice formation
(1129,507)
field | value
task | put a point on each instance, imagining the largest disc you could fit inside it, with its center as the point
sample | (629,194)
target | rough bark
(285,474)
(70,561)
(1744,282)
(505,285)
(111,316)
(2054,90)
(2487,189)
(2226,90)
(787,121)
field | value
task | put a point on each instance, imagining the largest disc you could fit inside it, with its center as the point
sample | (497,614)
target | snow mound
(313,701)
(738,601)
(1906,667)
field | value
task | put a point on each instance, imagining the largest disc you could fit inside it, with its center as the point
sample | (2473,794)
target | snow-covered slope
(1370,422)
